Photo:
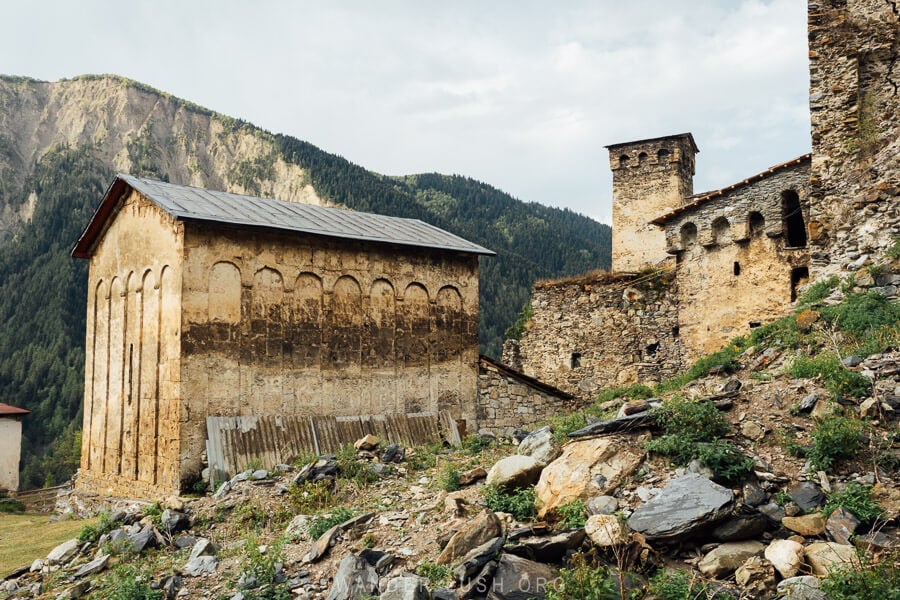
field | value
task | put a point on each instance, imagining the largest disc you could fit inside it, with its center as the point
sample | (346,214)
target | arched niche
(662,156)
(413,325)
(306,321)
(224,298)
(449,324)
(756,223)
(344,334)
(688,234)
(642,158)
(721,230)
(266,315)
(378,341)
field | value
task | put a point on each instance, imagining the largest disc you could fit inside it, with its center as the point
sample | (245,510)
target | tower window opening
(794,226)
(737,268)
(662,156)
(642,158)
(651,349)
(623,160)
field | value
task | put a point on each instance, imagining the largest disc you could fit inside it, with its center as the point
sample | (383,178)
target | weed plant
(449,478)
(518,502)
(437,575)
(864,580)
(857,499)
(573,513)
(93,531)
(835,438)
(321,524)
(582,581)
(839,380)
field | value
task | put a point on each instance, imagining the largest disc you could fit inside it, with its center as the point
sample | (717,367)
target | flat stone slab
(683,506)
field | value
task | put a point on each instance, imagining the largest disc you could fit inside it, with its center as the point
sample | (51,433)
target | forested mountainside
(61,142)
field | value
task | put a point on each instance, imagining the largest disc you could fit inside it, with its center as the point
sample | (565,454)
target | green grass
(25,537)
(839,380)
(320,525)
(835,438)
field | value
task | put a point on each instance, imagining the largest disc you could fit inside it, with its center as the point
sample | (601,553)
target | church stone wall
(277,324)
(131,429)
(854,47)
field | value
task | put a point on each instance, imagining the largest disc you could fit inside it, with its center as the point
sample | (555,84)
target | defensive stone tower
(650,178)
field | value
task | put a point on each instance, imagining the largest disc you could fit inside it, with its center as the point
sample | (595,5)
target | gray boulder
(520,579)
(472,563)
(173,521)
(95,566)
(355,579)
(515,471)
(683,506)
(63,553)
(200,565)
(807,495)
(804,587)
(406,588)
(540,445)
(547,549)
(724,559)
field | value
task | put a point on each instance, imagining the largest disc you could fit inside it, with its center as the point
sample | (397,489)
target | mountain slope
(61,142)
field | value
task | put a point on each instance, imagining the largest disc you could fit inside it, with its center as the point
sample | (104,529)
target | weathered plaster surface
(10,452)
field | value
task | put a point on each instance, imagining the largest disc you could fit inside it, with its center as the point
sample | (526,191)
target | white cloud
(522,95)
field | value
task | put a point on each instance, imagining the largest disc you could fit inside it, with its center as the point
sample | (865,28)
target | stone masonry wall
(287,324)
(736,268)
(854,46)
(507,403)
(132,395)
(603,330)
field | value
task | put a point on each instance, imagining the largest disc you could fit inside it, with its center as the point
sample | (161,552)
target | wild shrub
(154,513)
(839,380)
(725,360)
(11,505)
(93,531)
(835,438)
(311,496)
(321,524)
(857,499)
(449,478)
(563,425)
(864,580)
(264,567)
(819,291)
(127,583)
(573,513)
(679,585)
(582,581)
(727,462)
(518,502)
(353,469)
(437,575)
(475,444)
(861,314)
(685,423)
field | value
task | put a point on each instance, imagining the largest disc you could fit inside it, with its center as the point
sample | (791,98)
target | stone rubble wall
(506,403)
(854,46)
(603,330)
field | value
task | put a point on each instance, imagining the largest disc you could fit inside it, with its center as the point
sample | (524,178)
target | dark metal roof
(701,199)
(197,204)
(526,379)
(8,409)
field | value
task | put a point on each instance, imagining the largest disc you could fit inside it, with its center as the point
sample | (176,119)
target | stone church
(209,303)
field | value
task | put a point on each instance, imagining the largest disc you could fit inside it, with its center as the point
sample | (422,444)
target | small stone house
(210,303)
(10,445)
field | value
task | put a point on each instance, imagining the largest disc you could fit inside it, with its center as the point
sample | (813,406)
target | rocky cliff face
(137,130)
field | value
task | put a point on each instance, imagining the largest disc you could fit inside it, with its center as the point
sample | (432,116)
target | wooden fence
(233,443)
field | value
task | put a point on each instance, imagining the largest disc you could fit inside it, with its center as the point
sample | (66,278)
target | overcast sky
(521,95)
